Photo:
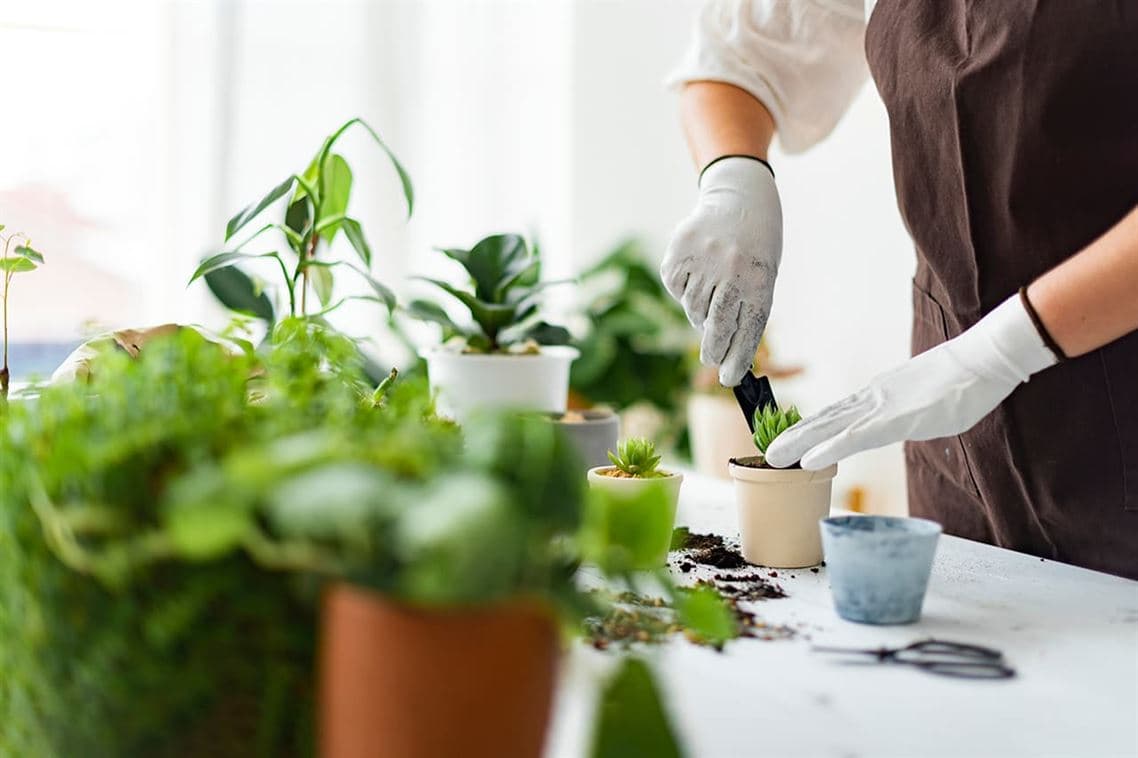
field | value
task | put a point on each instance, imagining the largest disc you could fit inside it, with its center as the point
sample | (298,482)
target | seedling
(503,298)
(636,458)
(316,212)
(19,257)
(771,422)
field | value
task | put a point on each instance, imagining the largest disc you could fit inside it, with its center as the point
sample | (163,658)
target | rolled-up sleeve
(803,59)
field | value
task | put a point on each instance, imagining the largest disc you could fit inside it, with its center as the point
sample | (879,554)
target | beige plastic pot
(779,511)
(718,433)
(467,382)
(622,487)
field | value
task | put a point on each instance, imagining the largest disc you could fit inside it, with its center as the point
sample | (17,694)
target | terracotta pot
(779,511)
(718,433)
(397,681)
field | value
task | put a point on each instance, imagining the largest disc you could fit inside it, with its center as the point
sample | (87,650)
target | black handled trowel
(752,394)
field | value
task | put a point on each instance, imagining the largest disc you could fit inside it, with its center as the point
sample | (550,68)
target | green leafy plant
(771,422)
(636,457)
(639,345)
(502,298)
(316,212)
(19,257)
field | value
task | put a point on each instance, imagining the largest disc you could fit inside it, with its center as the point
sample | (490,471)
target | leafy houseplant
(779,509)
(19,257)
(167,528)
(635,475)
(504,354)
(316,212)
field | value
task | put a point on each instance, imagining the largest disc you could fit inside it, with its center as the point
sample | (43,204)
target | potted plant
(636,354)
(717,430)
(779,509)
(503,355)
(593,432)
(18,257)
(634,471)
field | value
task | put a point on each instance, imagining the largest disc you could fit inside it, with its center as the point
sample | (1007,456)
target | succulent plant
(637,457)
(771,422)
(503,298)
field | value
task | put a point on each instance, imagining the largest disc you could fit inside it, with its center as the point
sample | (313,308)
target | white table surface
(1071,634)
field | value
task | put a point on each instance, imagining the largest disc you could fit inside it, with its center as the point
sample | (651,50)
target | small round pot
(718,433)
(622,487)
(466,382)
(779,511)
(879,566)
(398,681)
(593,433)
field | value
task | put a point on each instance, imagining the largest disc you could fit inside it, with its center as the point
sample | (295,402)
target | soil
(616,473)
(756,461)
(712,550)
(748,587)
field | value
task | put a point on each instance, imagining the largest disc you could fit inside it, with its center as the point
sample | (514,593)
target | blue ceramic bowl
(879,566)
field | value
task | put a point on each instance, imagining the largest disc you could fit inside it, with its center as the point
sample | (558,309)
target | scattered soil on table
(748,587)
(712,550)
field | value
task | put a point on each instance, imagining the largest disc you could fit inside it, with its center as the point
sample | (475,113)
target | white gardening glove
(722,262)
(938,393)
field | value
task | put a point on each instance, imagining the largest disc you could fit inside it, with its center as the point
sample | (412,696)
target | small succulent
(771,422)
(503,297)
(637,457)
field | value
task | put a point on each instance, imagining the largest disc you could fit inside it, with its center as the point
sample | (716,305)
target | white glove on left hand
(939,393)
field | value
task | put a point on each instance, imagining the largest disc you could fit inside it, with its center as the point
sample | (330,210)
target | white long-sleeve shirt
(803,59)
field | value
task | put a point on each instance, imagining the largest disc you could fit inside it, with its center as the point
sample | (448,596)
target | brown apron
(1015,144)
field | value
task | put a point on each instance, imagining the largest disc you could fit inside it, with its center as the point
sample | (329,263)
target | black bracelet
(1048,340)
(724,157)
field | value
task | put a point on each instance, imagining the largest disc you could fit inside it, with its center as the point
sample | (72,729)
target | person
(1014,130)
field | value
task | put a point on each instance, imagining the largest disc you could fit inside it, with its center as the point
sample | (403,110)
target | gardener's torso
(1015,144)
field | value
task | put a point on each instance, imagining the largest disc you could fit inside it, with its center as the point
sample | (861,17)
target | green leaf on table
(679,538)
(254,210)
(704,613)
(238,292)
(631,720)
(355,234)
(337,191)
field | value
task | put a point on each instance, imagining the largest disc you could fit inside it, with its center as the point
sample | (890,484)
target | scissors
(940,657)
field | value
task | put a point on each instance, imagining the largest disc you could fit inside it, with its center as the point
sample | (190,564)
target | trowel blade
(753,393)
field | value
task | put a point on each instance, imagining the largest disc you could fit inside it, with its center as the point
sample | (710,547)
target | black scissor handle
(962,649)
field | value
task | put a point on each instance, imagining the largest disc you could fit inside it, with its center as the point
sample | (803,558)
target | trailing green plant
(638,347)
(317,211)
(19,257)
(636,457)
(502,298)
(771,422)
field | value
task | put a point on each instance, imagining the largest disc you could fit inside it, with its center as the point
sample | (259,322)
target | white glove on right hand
(723,259)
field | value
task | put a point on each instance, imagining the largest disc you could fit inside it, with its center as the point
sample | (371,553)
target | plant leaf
(355,234)
(631,720)
(547,334)
(425,310)
(25,251)
(491,317)
(493,260)
(17,265)
(299,215)
(252,211)
(322,282)
(404,179)
(704,612)
(337,191)
(237,292)
(222,260)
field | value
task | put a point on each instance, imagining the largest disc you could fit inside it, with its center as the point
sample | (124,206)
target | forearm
(1091,299)
(721,119)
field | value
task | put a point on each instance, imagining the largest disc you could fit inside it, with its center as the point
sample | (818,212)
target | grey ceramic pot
(879,566)
(593,432)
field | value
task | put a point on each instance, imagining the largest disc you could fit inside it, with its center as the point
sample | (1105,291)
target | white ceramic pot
(718,433)
(628,487)
(466,382)
(779,511)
